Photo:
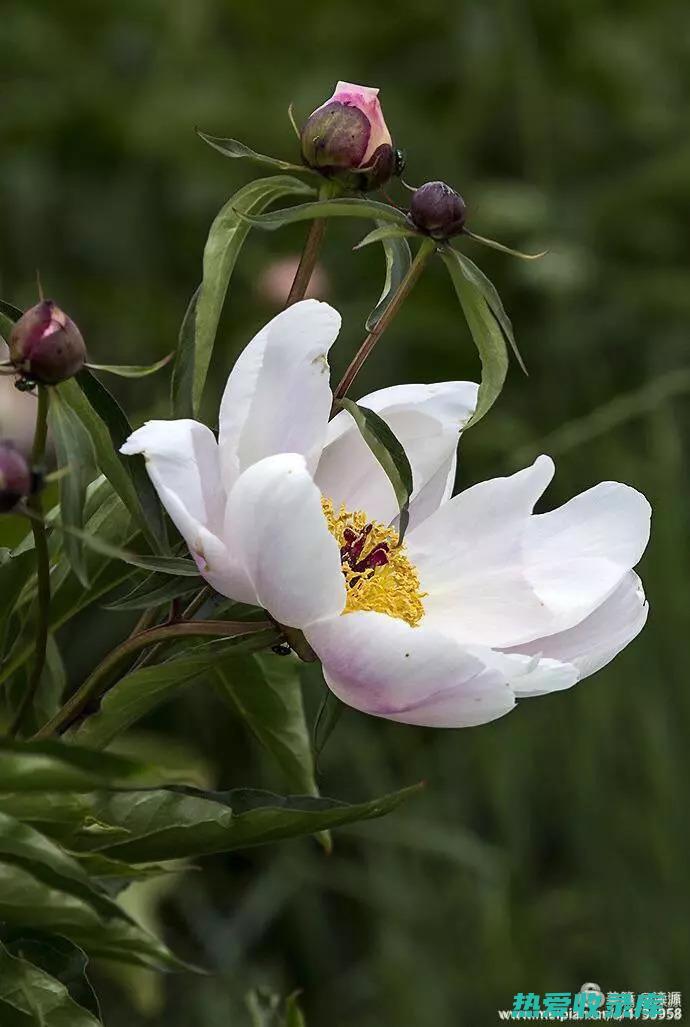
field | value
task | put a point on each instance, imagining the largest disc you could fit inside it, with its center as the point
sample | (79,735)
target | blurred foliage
(549,848)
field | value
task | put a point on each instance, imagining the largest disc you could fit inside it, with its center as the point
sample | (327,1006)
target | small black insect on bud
(282,649)
(437,210)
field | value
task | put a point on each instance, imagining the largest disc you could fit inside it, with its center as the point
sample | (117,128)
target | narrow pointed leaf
(10,311)
(504,249)
(31,997)
(234,148)
(385,232)
(165,564)
(142,690)
(389,452)
(347,207)
(489,291)
(132,370)
(124,479)
(486,333)
(226,238)
(29,767)
(153,591)
(28,900)
(398,260)
(182,381)
(113,416)
(59,958)
(266,692)
(74,451)
(330,712)
(169,823)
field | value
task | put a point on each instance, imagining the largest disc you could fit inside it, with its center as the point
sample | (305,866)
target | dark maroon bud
(336,136)
(46,346)
(437,210)
(16,479)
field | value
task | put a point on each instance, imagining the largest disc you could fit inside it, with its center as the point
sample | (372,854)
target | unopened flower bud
(46,346)
(438,210)
(347,139)
(16,480)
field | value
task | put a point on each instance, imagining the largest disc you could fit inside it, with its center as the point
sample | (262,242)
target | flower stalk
(427,247)
(312,248)
(97,682)
(35,504)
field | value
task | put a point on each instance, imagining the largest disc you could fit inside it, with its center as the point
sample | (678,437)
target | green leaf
(330,712)
(14,572)
(165,564)
(142,690)
(56,814)
(234,148)
(154,590)
(398,260)
(486,333)
(109,520)
(60,958)
(43,887)
(504,249)
(132,370)
(115,419)
(55,766)
(389,452)
(476,277)
(384,232)
(266,691)
(294,1017)
(51,688)
(112,464)
(348,207)
(173,823)
(182,381)
(10,311)
(37,998)
(226,238)
(74,451)
(28,901)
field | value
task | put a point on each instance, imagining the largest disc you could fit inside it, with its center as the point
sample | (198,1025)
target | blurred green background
(550,848)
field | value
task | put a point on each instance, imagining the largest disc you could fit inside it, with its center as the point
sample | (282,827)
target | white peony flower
(484,603)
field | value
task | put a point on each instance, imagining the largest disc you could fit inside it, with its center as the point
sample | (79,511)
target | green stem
(194,606)
(35,503)
(427,247)
(97,682)
(310,253)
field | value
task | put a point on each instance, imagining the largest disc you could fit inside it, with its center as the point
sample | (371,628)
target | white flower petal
(577,555)
(470,561)
(427,420)
(183,464)
(275,522)
(531,675)
(182,459)
(278,396)
(380,665)
(594,642)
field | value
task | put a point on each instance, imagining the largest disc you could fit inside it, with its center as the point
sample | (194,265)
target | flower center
(378,574)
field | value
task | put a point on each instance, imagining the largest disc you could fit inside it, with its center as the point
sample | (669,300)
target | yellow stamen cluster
(394,588)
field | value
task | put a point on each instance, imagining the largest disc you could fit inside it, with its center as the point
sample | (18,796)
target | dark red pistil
(351,552)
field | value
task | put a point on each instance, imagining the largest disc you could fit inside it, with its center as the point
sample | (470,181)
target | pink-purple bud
(46,346)
(16,480)
(437,210)
(347,139)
